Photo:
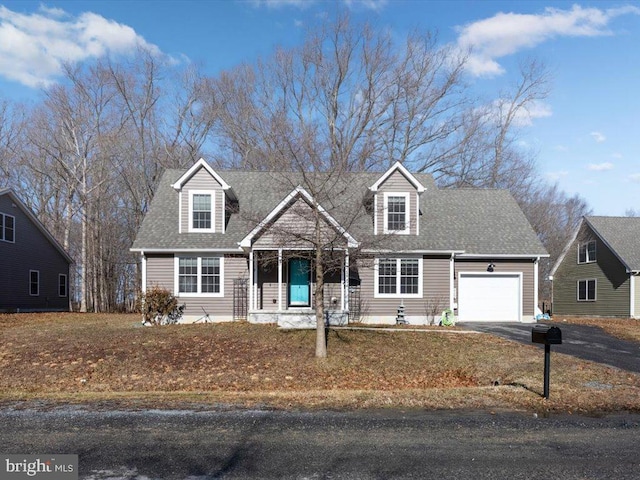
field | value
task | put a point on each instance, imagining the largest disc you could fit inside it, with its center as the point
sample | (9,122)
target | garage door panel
(489,297)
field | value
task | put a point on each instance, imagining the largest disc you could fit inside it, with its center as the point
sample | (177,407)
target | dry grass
(96,358)
(625,328)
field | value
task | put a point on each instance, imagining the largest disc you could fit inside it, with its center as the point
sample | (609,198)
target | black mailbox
(546,335)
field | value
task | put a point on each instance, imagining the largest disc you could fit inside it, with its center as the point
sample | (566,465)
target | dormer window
(201,207)
(396,207)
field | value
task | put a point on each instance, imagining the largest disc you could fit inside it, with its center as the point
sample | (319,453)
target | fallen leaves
(110,354)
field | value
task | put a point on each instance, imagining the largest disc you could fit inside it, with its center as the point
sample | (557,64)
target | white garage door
(489,297)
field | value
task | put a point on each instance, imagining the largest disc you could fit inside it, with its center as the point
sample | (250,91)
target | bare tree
(555,217)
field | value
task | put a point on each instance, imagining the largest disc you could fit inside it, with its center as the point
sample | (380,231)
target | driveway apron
(582,341)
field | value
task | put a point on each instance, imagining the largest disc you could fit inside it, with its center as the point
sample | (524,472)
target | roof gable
(289,200)
(29,213)
(400,168)
(194,168)
(621,235)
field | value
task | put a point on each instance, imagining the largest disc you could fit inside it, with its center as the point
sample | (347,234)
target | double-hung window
(199,276)
(587,252)
(7,228)
(399,277)
(396,207)
(587,290)
(201,211)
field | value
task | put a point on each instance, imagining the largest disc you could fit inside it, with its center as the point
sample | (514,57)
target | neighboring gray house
(398,239)
(35,268)
(598,272)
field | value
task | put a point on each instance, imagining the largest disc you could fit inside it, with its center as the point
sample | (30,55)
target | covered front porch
(282,287)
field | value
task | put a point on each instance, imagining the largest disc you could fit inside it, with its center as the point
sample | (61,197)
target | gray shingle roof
(476,221)
(622,234)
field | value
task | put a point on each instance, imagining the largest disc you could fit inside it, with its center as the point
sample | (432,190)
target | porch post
(451,282)
(251,280)
(535,286)
(279,279)
(345,282)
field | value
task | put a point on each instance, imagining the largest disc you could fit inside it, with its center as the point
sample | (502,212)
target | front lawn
(96,358)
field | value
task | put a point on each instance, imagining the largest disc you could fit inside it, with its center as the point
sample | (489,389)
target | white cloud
(635,177)
(598,137)
(616,155)
(507,33)
(555,176)
(35,46)
(600,167)
(536,109)
(298,23)
(561,148)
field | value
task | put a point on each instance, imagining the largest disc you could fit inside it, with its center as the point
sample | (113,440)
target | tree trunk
(318,300)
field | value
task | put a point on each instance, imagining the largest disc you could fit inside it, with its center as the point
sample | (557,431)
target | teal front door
(299,274)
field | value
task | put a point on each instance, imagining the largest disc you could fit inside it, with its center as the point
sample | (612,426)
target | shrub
(160,307)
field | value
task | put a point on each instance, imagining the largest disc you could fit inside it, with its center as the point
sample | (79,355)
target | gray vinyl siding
(268,286)
(161,272)
(612,282)
(526,267)
(435,291)
(293,227)
(397,183)
(202,180)
(31,250)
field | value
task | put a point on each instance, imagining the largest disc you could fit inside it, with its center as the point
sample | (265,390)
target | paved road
(582,341)
(328,445)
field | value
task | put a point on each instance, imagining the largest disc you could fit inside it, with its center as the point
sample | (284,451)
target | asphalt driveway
(582,341)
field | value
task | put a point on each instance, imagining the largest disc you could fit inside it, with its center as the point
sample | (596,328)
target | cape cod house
(598,273)
(238,244)
(35,268)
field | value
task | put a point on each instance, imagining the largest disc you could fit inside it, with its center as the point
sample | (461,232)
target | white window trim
(407,213)
(38,293)
(4,223)
(377,294)
(213,210)
(200,256)
(595,290)
(586,245)
(66,285)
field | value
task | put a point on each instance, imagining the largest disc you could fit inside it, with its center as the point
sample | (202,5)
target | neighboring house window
(62,285)
(400,277)
(587,252)
(396,207)
(586,290)
(34,283)
(201,206)
(200,275)
(7,227)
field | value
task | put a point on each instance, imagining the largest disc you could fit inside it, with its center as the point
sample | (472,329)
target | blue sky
(586,133)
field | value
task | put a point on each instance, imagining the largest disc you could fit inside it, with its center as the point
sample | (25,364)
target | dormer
(396,200)
(203,200)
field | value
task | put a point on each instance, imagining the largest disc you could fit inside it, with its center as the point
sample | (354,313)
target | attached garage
(489,297)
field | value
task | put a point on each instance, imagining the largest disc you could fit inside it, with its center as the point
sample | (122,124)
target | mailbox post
(547,336)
